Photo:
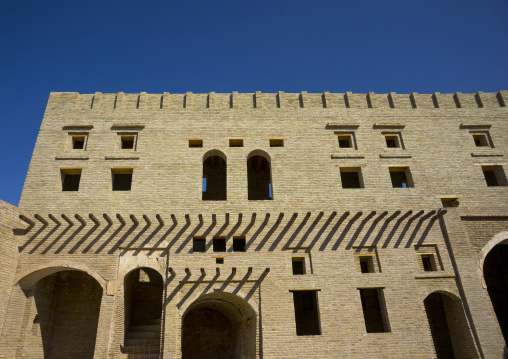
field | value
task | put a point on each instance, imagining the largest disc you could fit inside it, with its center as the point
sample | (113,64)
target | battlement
(279,100)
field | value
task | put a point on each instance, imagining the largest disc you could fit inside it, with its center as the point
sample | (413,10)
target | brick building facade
(260,226)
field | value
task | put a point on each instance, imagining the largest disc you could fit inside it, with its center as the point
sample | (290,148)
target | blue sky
(245,46)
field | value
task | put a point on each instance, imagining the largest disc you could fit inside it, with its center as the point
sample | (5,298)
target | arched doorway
(65,323)
(143,311)
(259,176)
(219,326)
(214,176)
(449,327)
(495,271)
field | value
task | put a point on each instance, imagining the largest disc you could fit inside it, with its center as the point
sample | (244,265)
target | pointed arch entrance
(219,326)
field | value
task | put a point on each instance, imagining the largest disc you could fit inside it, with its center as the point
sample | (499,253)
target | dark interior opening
(298,265)
(122,180)
(219,244)
(366,264)
(78,143)
(399,177)
(259,178)
(70,180)
(215,179)
(239,244)
(199,244)
(306,313)
(350,179)
(374,311)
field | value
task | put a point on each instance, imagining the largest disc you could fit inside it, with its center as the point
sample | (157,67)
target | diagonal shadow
(41,242)
(148,239)
(163,237)
(192,289)
(346,230)
(31,239)
(189,237)
(321,231)
(97,238)
(427,229)
(84,238)
(333,231)
(359,229)
(258,232)
(212,282)
(384,226)
(417,228)
(283,232)
(256,285)
(372,227)
(406,228)
(175,291)
(309,230)
(126,235)
(297,231)
(55,241)
(136,237)
(71,237)
(270,232)
(395,228)
(113,235)
(242,283)
(247,229)
(177,236)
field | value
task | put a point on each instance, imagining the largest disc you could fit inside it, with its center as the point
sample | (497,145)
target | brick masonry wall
(310,216)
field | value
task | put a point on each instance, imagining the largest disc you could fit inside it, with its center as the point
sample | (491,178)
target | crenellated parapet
(280,100)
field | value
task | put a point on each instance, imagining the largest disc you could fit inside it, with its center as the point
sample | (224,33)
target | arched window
(259,176)
(214,186)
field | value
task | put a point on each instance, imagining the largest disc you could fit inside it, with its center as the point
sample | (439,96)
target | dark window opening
(345,141)
(276,142)
(450,202)
(122,179)
(219,260)
(214,179)
(494,176)
(306,313)
(195,143)
(199,244)
(78,142)
(70,179)
(259,179)
(219,244)
(374,311)
(366,264)
(127,142)
(401,177)
(298,265)
(428,263)
(392,141)
(236,142)
(238,244)
(351,178)
(480,140)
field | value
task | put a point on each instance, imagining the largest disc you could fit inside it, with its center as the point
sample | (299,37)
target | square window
(238,243)
(351,177)
(122,179)
(70,179)
(78,142)
(494,175)
(236,142)
(298,264)
(401,177)
(392,141)
(276,142)
(195,143)
(219,244)
(366,264)
(345,141)
(199,244)
(482,139)
(428,262)
(127,142)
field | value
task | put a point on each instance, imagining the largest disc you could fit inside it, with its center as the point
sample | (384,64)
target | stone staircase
(143,341)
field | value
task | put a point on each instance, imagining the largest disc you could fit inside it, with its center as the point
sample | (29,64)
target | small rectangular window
(392,141)
(345,141)
(70,179)
(276,142)
(374,310)
(219,244)
(78,142)
(366,264)
(306,312)
(298,264)
(128,142)
(494,175)
(428,262)
(122,179)
(236,142)
(219,260)
(351,177)
(199,244)
(238,243)
(450,201)
(195,143)
(401,177)
(482,139)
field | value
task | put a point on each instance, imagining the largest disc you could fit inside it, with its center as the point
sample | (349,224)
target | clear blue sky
(245,46)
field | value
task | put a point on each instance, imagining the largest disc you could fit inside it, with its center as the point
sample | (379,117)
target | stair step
(145,328)
(142,341)
(143,335)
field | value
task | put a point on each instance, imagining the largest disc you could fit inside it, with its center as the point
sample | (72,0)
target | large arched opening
(214,186)
(219,326)
(143,288)
(66,316)
(259,176)
(449,326)
(495,272)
